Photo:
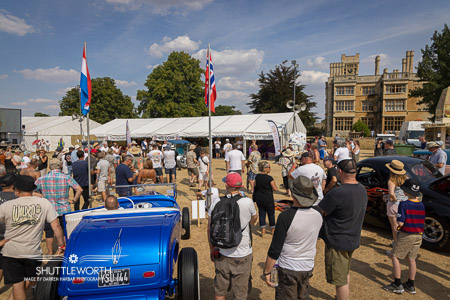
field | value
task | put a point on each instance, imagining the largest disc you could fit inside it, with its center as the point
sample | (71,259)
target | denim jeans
(269,209)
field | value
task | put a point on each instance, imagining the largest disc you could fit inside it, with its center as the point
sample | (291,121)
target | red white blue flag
(85,85)
(209,75)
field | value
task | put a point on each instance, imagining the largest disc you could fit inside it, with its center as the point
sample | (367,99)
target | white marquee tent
(247,126)
(52,129)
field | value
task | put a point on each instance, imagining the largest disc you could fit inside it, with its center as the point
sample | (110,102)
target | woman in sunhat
(286,161)
(396,195)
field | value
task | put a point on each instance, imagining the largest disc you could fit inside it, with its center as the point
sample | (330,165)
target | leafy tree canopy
(226,110)
(361,126)
(434,70)
(174,89)
(108,102)
(39,114)
(276,88)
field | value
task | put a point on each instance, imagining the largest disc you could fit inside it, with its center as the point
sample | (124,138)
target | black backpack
(225,227)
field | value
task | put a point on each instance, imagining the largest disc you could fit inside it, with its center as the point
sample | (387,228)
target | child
(411,219)
(203,162)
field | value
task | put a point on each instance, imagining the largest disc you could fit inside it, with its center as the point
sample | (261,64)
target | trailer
(11,131)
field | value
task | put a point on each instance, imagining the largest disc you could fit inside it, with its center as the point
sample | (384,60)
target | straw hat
(288,153)
(432,145)
(135,150)
(192,147)
(396,167)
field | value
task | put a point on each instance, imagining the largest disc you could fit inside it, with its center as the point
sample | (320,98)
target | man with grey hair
(438,157)
(125,175)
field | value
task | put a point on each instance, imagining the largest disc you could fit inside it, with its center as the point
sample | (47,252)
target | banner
(275,136)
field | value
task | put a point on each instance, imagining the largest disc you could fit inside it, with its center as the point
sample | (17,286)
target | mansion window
(395,88)
(344,90)
(346,105)
(343,124)
(368,122)
(394,105)
(393,123)
(367,106)
(368,90)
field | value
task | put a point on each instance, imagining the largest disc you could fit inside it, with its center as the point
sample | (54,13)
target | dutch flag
(85,85)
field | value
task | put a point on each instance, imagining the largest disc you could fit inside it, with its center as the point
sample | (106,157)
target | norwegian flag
(210,74)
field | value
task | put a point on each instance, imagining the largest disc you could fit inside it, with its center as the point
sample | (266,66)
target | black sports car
(374,175)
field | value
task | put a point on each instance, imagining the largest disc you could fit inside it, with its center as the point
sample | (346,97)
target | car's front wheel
(436,235)
(188,275)
(47,285)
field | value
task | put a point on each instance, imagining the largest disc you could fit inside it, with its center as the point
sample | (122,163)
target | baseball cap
(306,154)
(330,158)
(389,142)
(347,165)
(234,180)
(54,163)
(411,187)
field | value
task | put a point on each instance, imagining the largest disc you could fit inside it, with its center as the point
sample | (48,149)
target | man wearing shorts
(192,165)
(343,208)
(156,156)
(234,265)
(102,174)
(170,164)
(23,234)
(411,220)
(203,169)
(217,148)
(253,161)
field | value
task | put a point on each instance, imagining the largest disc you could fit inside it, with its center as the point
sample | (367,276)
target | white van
(410,132)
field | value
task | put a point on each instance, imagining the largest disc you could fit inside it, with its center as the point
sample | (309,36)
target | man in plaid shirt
(55,188)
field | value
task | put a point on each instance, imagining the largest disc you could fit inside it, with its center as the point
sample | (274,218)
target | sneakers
(409,289)
(393,288)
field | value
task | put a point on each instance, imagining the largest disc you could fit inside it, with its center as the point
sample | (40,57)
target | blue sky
(42,42)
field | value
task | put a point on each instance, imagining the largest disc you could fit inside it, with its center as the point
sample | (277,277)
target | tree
(434,70)
(227,110)
(174,89)
(276,88)
(39,114)
(107,103)
(361,126)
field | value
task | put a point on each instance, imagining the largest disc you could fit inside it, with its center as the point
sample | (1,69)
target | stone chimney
(403,65)
(407,61)
(377,65)
(411,61)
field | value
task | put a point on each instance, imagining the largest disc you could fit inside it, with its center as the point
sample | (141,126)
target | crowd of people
(321,183)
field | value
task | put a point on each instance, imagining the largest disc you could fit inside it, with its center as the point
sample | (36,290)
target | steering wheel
(134,206)
(373,181)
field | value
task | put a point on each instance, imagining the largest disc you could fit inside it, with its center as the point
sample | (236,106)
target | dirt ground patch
(371,267)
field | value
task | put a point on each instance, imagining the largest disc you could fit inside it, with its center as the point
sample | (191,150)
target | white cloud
(159,6)
(384,59)
(23,103)
(3,76)
(313,77)
(13,24)
(55,74)
(234,83)
(40,100)
(55,106)
(181,43)
(63,91)
(233,62)
(231,94)
(151,67)
(317,62)
(124,83)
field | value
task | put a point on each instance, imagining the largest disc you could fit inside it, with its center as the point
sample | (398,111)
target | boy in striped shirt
(411,219)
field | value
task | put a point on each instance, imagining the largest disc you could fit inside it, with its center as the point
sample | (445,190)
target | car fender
(439,209)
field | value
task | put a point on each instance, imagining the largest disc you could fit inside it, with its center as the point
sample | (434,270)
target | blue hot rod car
(128,253)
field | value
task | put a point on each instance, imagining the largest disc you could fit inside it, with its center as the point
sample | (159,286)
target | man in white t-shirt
(342,152)
(156,157)
(312,171)
(203,162)
(234,265)
(25,160)
(235,161)
(227,147)
(217,147)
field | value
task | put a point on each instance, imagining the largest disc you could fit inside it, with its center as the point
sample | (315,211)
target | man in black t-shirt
(332,177)
(343,209)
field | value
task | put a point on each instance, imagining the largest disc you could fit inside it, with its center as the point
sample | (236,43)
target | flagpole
(208,197)
(89,147)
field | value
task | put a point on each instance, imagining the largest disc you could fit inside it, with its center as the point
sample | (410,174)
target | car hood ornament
(117,249)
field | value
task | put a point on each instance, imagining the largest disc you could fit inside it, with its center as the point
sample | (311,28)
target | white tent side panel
(149,129)
(201,128)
